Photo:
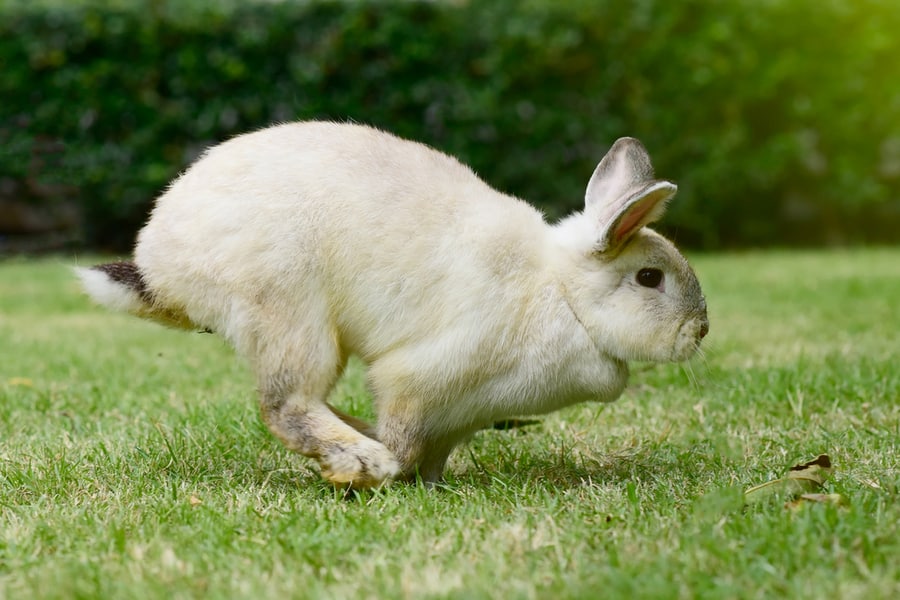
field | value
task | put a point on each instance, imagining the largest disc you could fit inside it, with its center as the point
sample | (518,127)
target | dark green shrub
(779,119)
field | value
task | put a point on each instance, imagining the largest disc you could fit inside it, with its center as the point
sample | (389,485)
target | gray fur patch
(127,273)
(275,389)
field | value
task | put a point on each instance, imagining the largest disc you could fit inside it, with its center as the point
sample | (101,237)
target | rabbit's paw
(365,463)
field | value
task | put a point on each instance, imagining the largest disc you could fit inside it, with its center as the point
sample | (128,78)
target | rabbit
(305,243)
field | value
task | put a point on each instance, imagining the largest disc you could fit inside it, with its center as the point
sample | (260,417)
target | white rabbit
(305,243)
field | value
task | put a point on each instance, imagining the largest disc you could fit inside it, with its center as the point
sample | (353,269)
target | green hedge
(780,119)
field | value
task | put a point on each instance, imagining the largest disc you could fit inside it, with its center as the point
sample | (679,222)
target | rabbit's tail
(120,286)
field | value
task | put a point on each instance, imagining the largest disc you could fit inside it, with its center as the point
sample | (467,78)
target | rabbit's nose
(704,328)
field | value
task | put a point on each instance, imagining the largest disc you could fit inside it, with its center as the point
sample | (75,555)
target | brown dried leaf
(804,499)
(806,478)
(813,473)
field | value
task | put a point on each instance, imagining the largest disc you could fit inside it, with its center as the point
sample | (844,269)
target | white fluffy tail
(109,292)
(120,286)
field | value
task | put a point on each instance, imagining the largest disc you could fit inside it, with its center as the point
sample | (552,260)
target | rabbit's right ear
(622,195)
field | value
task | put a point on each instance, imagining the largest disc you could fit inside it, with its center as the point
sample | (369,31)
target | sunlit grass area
(133,462)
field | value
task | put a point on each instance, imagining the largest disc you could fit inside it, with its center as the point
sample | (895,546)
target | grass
(133,463)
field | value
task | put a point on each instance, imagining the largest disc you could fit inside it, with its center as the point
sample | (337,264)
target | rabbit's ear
(623,195)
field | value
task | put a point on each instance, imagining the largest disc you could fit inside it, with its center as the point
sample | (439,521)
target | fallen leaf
(804,499)
(806,478)
(195,501)
(812,473)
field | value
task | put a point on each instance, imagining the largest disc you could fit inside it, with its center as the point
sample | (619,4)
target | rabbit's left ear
(622,194)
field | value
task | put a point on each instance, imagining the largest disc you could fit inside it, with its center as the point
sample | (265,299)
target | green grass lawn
(133,463)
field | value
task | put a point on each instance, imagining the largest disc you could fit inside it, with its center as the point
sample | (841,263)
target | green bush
(780,119)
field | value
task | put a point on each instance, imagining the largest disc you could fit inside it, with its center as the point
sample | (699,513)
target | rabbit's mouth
(689,336)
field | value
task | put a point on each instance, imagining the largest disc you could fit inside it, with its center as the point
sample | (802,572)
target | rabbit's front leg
(420,452)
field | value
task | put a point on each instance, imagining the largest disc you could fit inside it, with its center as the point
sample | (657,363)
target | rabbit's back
(390,234)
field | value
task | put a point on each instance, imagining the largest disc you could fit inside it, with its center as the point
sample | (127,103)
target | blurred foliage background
(779,119)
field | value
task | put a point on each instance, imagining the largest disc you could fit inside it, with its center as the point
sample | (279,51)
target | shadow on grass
(251,458)
(652,465)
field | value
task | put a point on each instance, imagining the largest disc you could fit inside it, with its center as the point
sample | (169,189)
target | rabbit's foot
(365,463)
(346,456)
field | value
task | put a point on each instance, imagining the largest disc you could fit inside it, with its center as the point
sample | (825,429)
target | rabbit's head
(635,294)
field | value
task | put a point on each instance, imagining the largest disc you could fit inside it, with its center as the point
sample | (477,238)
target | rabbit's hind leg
(292,402)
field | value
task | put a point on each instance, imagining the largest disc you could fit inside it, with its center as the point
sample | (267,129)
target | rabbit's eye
(650,278)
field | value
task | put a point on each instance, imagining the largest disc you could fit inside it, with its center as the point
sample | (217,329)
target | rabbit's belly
(526,393)
(535,392)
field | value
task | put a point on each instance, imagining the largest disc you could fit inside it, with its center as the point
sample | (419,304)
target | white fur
(107,292)
(307,242)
